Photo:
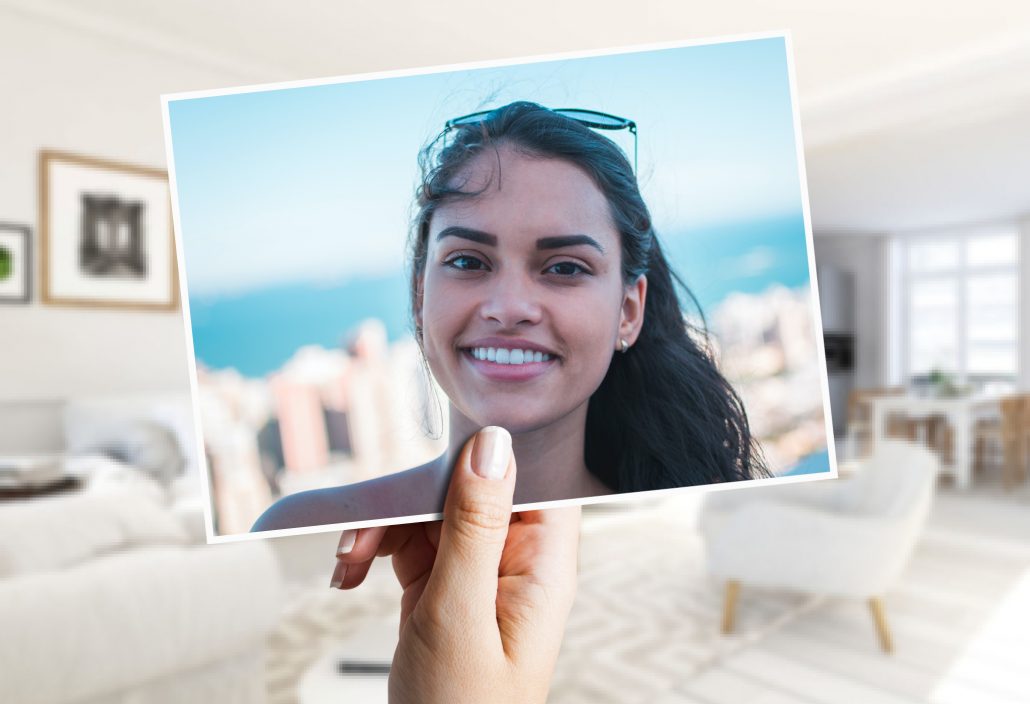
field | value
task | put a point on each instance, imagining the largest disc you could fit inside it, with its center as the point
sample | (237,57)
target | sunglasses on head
(591,118)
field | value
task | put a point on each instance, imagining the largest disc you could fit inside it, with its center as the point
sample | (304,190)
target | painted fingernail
(338,574)
(347,538)
(491,452)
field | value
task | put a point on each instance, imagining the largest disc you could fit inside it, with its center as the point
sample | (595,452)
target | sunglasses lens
(467,120)
(595,119)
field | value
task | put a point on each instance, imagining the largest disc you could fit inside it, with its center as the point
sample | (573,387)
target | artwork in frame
(106,234)
(15,263)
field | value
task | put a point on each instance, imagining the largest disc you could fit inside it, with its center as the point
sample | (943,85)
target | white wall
(864,257)
(1023,378)
(81,92)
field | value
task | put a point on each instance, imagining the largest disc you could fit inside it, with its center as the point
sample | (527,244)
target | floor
(960,617)
(645,624)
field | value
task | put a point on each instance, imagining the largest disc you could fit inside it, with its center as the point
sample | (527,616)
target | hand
(486,593)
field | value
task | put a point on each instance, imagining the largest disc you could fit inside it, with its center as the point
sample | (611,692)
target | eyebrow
(486,238)
(467,233)
(568,241)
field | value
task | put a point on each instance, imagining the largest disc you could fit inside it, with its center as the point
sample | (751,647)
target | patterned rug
(646,616)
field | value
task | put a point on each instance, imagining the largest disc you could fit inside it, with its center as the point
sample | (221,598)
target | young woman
(543,304)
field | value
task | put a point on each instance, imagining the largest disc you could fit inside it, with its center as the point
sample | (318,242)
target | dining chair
(1008,435)
(860,421)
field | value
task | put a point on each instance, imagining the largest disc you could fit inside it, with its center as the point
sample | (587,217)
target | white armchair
(846,537)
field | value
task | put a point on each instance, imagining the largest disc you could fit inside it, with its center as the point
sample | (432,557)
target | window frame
(960,274)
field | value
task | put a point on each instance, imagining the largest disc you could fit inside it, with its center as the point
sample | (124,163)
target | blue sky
(314,184)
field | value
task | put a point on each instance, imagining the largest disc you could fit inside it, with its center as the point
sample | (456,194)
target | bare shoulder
(413,492)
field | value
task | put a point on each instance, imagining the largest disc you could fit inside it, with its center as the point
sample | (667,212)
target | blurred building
(767,350)
(327,417)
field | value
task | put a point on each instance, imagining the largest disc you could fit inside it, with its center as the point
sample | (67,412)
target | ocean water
(746,257)
(258,331)
(815,463)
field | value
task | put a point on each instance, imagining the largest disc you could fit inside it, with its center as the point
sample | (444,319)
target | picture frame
(15,263)
(105,234)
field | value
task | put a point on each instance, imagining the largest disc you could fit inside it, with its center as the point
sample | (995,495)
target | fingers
(415,557)
(567,516)
(354,553)
(346,543)
(348,576)
(477,512)
(469,543)
(358,547)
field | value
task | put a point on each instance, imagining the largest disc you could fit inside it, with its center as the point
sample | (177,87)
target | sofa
(109,593)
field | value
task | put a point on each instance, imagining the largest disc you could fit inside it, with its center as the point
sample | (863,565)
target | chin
(515,422)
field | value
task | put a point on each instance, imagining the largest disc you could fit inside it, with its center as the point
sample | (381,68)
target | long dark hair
(664,416)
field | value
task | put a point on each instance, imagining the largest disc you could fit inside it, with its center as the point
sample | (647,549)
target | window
(959,305)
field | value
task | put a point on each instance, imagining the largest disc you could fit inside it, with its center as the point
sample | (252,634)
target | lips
(502,360)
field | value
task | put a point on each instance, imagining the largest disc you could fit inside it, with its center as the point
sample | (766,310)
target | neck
(549,460)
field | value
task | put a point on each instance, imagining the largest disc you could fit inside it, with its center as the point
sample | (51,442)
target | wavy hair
(664,416)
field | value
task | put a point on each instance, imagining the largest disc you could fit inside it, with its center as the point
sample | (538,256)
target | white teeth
(500,355)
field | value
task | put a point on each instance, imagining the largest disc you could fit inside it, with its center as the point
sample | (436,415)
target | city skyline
(258,330)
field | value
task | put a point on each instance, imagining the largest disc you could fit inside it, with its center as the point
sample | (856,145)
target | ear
(632,316)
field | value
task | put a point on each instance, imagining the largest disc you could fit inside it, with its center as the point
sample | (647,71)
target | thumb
(476,515)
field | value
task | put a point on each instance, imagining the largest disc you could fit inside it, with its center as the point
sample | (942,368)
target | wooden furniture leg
(880,619)
(730,605)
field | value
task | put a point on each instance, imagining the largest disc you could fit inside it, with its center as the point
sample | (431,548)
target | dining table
(960,412)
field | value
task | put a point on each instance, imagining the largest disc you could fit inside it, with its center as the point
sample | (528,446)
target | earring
(625,345)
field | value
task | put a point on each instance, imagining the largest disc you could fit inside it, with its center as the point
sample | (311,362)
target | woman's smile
(509,360)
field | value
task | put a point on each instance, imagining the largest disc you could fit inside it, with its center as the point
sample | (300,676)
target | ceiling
(915,114)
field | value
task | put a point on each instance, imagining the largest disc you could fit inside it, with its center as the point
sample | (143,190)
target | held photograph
(607,255)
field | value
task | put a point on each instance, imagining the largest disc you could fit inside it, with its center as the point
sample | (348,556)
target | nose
(511,300)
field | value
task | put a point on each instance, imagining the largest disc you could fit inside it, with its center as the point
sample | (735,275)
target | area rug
(646,615)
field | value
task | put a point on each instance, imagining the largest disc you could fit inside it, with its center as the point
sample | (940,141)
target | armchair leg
(730,605)
(883,631)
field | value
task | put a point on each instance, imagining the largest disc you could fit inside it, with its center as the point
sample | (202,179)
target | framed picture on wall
(15,263)
(106,234)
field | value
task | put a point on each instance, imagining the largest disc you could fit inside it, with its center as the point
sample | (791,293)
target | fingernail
(347,538)
(338,574)
(491,452)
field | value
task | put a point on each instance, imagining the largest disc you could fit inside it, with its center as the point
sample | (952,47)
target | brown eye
(465,262)
(567,269)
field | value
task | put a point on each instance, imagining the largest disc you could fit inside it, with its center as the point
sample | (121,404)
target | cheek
(444,313)
(593,328)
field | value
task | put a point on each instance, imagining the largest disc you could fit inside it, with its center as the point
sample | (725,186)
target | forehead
(529,195)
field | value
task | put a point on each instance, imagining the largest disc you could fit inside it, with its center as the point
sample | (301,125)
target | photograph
(608,256)
(15,263)
(106,234)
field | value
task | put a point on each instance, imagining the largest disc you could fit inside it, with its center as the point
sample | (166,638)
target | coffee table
(372,644)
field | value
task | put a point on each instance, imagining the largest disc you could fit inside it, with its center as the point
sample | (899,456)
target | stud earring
(625,345)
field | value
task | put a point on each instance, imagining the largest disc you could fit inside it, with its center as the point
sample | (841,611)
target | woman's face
(522,300)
